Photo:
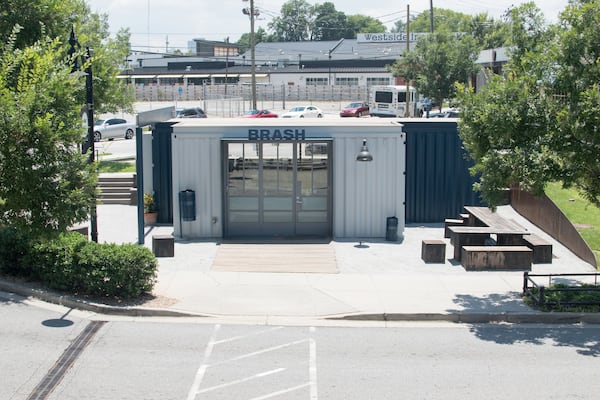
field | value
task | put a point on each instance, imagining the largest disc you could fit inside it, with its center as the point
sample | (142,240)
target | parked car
(259,114)
(193,112)
(445,113)
(355,109)
(113,128)
(304,111)
(426,104)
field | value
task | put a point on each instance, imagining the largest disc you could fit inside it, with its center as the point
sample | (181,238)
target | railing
(538,292)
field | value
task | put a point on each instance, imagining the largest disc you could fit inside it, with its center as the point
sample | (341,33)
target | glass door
(278,189)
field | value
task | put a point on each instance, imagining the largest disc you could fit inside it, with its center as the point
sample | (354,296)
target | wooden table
(483,216)
(477,236)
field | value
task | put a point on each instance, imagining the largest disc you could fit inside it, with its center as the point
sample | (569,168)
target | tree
(260,36)
(510,126)
(329,24)
(577,89)
(295,22)
(437,63)
(54,19)
(363,24)
(46,184)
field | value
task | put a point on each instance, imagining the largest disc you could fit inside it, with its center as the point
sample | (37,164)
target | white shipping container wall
(197,167)
(366,193)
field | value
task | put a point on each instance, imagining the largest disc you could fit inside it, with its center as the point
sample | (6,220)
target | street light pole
(89,98)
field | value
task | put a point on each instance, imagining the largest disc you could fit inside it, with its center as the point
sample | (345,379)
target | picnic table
(479,235)
(483,216)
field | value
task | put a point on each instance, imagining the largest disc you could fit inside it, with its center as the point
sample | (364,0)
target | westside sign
(276,134)
(386,37)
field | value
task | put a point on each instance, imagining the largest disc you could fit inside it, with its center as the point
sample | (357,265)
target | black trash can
(187,205)
(391,229)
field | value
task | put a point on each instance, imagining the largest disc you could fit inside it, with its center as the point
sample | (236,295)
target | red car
(355,109)
(259,114)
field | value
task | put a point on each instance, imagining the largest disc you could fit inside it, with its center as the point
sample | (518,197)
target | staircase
(117,189)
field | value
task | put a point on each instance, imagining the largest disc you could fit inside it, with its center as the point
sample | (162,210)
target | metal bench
(481,258)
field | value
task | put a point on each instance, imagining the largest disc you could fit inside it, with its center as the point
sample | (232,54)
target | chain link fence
(233,100)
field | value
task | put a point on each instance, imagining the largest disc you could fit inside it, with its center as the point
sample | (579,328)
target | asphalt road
(53,353)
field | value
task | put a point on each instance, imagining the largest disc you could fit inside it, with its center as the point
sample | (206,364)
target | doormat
(299,258)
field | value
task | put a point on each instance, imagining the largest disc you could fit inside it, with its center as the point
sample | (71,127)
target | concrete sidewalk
(377,280)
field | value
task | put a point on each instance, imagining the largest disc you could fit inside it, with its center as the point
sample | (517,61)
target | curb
(76,303)
(533,317)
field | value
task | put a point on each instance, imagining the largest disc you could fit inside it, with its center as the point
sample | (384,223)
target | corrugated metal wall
(366,193)
(161,171)
(438,182)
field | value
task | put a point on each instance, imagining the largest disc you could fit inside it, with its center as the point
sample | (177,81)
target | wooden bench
(433,251)
(448,222)
(482,258)
(478,236)
(163,245)
(542,250)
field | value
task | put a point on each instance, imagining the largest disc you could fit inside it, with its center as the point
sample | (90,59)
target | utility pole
(226,63)
(431,15)
(406,112)
(253,54)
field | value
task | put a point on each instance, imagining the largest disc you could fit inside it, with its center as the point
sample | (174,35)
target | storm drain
(66,360)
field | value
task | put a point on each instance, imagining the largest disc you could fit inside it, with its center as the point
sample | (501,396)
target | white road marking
(312,365)
(202,370)
(231,339)
(242,380)
(255,353)
(280,392)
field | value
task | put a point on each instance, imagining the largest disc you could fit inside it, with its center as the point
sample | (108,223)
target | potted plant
(150,213)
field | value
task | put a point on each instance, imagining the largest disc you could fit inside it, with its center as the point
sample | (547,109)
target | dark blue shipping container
(438,182)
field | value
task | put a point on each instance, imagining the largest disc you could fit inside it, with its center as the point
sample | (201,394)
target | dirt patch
(583,226)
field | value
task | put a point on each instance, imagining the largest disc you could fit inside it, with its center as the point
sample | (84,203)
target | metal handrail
(538,292)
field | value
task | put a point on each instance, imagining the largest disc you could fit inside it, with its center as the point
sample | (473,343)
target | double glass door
(278,189)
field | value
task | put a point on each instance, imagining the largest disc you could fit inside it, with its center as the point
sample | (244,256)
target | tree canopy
(437,63)
(539,122)
(54,19)
(300,21)
(46,184)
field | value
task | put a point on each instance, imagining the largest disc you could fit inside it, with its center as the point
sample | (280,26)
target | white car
(304,111)
(113,128)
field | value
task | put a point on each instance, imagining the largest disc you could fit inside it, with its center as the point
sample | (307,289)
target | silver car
(113,128)
(304,111)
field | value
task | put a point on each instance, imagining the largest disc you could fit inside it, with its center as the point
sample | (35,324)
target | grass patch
(115,166)
(583,214)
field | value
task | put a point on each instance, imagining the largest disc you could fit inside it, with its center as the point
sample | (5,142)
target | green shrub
(123,271)
(71,263)
(14,247)
(55,261)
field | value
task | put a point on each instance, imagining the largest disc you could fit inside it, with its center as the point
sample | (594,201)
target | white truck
(391,101)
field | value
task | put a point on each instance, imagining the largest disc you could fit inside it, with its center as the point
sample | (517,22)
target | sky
(158,25)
